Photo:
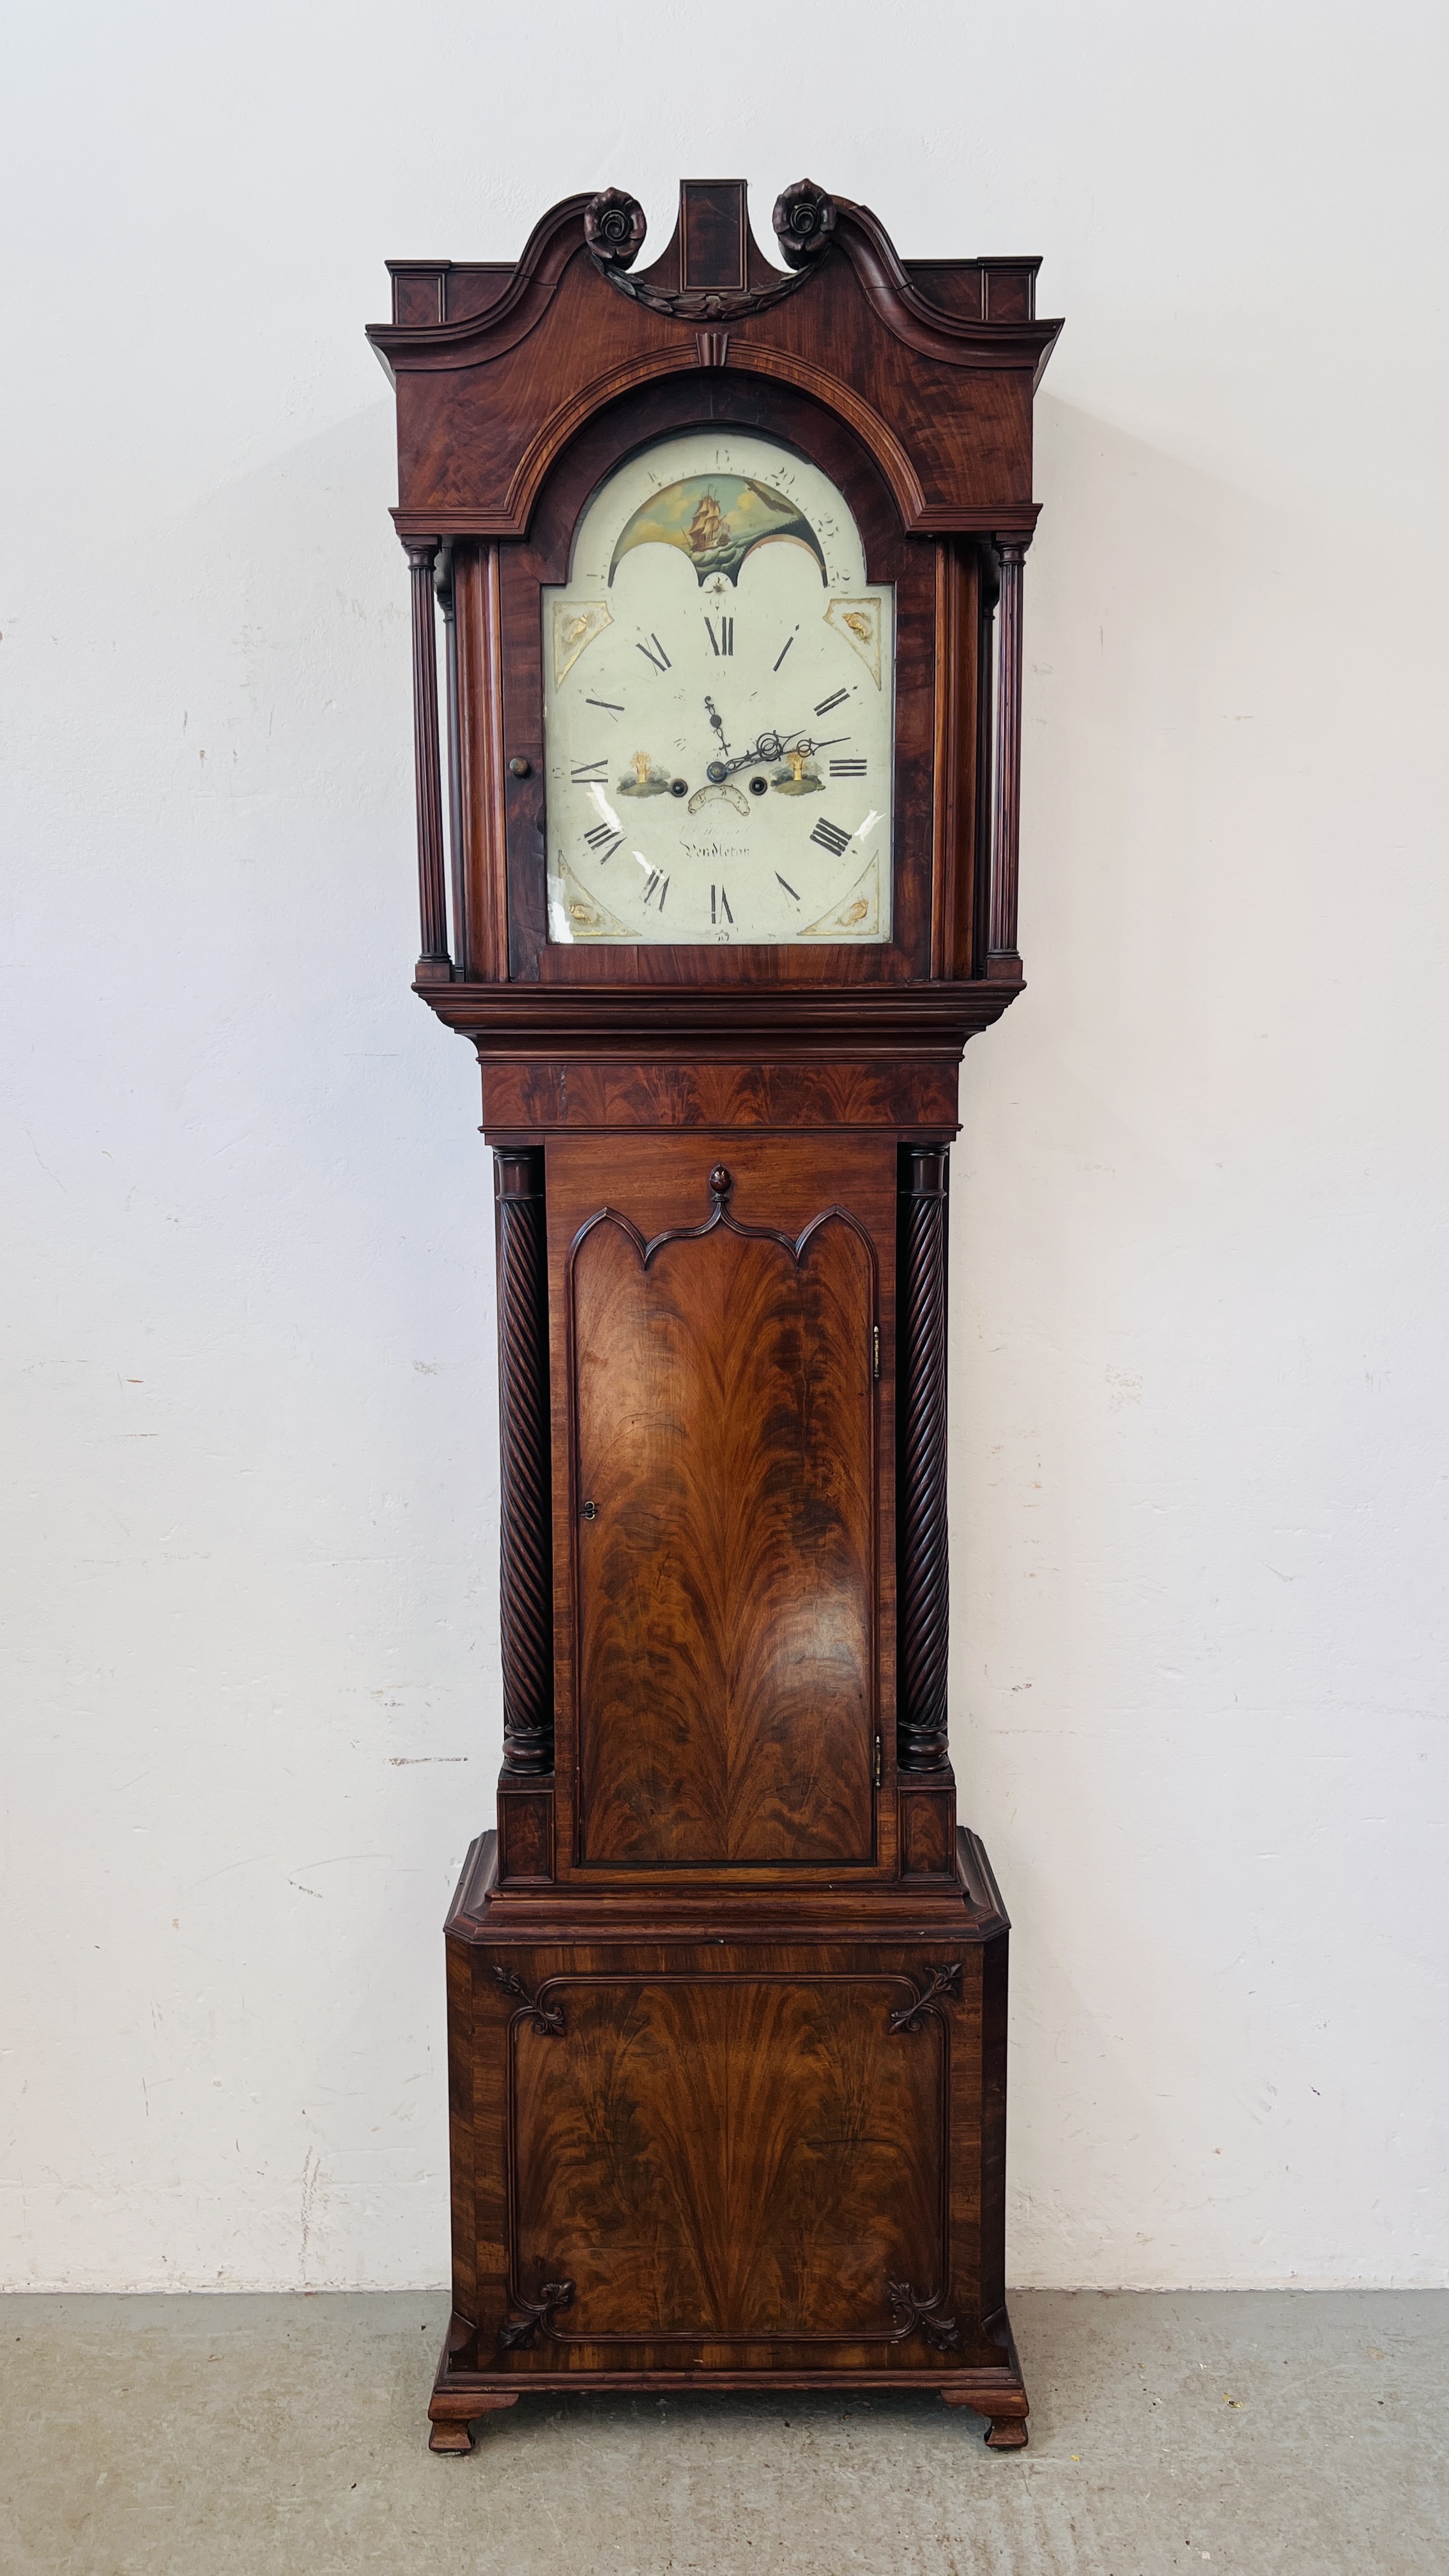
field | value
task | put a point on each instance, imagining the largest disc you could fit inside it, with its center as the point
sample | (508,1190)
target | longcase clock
(718,875)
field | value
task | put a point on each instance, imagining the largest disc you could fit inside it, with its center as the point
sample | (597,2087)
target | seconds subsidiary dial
(718,707)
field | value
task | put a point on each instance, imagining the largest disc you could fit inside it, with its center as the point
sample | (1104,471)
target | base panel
(738,2154)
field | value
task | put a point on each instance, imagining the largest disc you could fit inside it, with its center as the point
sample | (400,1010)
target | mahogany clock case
(727,1987)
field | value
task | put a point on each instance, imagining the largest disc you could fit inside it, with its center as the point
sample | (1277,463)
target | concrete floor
(1302,2434)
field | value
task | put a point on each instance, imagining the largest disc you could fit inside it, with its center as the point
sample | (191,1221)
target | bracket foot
(450,2437)
(1006,2431)
(454,2433)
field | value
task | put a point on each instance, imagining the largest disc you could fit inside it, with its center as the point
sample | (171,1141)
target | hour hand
(720,769)
(766,746)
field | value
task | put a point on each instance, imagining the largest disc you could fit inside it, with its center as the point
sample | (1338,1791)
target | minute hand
(768,746)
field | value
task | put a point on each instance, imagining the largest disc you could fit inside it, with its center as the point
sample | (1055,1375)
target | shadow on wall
(1195,667)
(1190,1222)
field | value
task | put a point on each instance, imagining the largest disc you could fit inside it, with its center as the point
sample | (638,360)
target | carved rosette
(526,1604)
(804,220)
(614,233)
(614,227)
(924,1567)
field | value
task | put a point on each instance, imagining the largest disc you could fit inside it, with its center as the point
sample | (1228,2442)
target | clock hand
(806,744)
(769,746)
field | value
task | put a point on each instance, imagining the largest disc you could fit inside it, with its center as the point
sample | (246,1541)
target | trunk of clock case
(722,1371)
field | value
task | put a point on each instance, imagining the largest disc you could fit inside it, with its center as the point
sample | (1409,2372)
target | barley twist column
(526,1602)
(921,1503)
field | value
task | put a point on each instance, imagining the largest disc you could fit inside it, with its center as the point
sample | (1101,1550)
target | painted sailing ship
(709,529)
(716,521)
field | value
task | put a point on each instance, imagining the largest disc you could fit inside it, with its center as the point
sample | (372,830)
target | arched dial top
(719,706)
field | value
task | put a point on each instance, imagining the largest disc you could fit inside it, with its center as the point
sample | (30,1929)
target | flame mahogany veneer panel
(730,1608)
(728,2157)
(562,1092)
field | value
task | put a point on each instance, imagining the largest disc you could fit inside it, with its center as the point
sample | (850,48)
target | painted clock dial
(718,706)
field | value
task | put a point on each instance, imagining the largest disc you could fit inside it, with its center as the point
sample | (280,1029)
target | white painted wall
(251,1705)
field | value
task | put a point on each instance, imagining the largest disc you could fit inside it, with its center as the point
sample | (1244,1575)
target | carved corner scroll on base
(518,2331)
(943,1985)
(917,2315)
(548,2018)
